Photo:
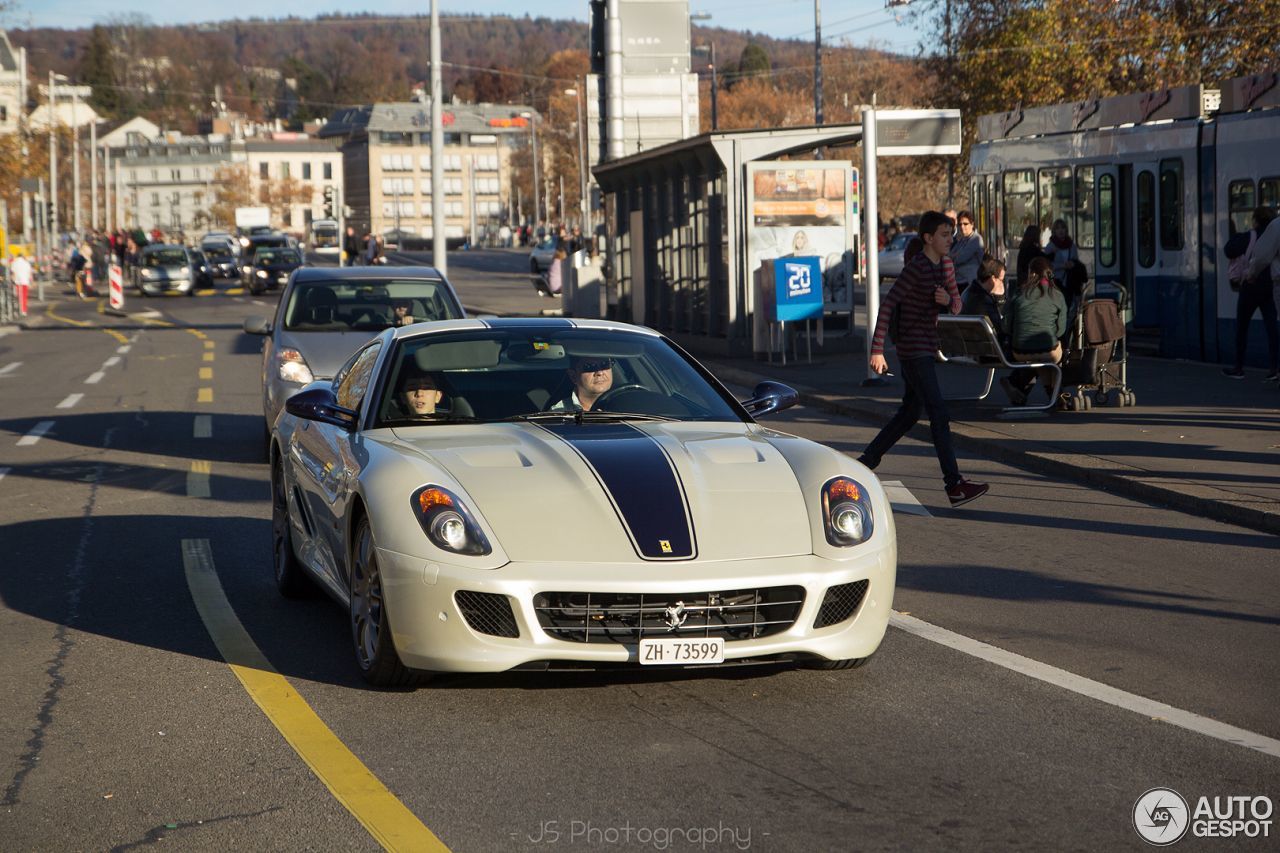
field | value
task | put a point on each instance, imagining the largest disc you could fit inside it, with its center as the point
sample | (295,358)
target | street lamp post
(537,172)
(583,211)
(710,48)
(53,158)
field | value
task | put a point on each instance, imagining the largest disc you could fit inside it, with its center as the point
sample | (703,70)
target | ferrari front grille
(622,617)
(487,613)
(840,603)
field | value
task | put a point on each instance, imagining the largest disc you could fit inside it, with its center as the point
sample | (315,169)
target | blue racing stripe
(640,480)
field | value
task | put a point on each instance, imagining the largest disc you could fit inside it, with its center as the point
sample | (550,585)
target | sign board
(248,217)
(797,289)
(804,209)
(29,185)
(115,279)
(917,132)
(655,36)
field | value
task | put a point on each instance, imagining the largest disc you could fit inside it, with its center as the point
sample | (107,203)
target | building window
(284,171)
(453,186)
(1171,204)
(263,171)
(328,171)
(155,199)
(176,174)
(155,176)
(397,162)
(306,171)
(453,163)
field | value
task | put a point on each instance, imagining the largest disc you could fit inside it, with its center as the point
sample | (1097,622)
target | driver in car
(419,394)
(403,309)
(592,377)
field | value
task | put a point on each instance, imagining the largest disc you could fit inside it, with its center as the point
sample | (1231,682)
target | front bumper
(432,633)
(157,286)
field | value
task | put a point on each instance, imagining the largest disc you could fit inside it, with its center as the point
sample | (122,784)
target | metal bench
(969,341)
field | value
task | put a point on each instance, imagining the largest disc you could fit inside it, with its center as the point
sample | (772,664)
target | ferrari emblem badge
(665,544)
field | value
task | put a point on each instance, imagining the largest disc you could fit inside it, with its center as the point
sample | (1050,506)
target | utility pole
(75,161)
(53,162)
(438,258)
(817,61)
(584,211)
(93,175)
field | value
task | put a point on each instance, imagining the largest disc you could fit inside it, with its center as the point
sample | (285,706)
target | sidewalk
(1196,441)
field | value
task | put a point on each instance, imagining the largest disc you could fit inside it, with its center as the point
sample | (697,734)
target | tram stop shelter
(690,223)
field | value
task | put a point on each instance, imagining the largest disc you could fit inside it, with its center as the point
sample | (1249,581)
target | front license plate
(678,652)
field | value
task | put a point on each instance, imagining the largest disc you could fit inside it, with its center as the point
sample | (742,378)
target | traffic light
(328,202)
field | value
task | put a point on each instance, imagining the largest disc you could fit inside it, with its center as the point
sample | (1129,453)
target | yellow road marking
(155,322)
(386,818)
(235,291)
(53,315)
(206,373)
(197,333)
(208,344)
(208,356)
(204,395)
(198,479)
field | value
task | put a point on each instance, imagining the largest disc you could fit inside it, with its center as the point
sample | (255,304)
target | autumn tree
(231,189)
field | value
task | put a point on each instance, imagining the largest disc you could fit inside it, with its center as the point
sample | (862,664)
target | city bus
(1151,186)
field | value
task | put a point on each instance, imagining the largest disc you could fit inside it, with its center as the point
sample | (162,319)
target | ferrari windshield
(367,304)
(513,374)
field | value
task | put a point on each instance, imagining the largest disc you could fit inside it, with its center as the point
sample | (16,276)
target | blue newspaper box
(797,288)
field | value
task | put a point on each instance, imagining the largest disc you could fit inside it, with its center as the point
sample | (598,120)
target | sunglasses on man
(594,365)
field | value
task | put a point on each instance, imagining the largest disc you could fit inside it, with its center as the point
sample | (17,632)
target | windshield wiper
(580,417)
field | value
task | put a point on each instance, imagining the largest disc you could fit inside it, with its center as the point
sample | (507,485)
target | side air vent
(487,613)
(840,603)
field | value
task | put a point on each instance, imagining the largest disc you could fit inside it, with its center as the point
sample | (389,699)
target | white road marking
(203,426)
(901,499)
(1087,687)
(124,349)
(9,368)
(94,378)
(37,432)
(71,400)
(111,362)
(3,471)
(198,479)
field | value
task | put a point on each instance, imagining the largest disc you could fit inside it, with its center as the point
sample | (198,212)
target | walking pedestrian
(20,272)
(911,307)
(1257,293)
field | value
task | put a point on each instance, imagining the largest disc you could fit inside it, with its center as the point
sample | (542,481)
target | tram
(324,236)
(1150,186)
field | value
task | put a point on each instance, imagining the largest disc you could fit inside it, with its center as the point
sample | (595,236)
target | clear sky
(861,22)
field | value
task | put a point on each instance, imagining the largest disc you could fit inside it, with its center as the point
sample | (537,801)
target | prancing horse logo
(675,615)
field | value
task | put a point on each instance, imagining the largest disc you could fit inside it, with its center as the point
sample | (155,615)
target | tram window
(1171,204)
(1019,205)
(1269,193)
(1055,196)
(1106,220)
(1240,203)
(1084,230)
(1146,209)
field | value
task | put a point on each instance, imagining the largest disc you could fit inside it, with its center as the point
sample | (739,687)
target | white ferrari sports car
(488,495)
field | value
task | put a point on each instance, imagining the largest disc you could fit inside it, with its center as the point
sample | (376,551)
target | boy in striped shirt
(926,285)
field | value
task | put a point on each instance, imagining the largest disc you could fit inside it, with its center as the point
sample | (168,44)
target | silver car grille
(612,617)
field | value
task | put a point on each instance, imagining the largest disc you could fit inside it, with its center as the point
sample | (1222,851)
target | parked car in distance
(891,255)
(164,268)
(269,268)
(326,313)
(684,533)
(542,255)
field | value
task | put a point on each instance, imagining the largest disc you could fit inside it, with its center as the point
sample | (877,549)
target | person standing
(967,250)
(911,307)
(1061,250)
(20,271)
(350,247)
(1257,293)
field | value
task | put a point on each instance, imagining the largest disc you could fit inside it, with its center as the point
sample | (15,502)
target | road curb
(1126,481)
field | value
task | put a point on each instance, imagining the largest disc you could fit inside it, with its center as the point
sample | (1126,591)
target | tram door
(1107,221)
(1140,258)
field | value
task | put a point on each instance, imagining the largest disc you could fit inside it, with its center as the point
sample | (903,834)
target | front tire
(371,638)
(830,665)
(291,578)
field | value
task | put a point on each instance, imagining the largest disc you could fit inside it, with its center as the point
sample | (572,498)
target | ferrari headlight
(447,522)
(292,367)
(846,512)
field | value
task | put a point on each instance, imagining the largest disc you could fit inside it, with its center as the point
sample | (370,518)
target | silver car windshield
(166,258)
(367,304)
(496,375)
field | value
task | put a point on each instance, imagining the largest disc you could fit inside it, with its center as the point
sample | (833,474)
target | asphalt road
(122,726)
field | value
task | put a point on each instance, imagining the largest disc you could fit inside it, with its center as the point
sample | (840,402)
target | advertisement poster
(799,209)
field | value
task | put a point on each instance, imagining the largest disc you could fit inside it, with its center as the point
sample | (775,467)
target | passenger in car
(592,377)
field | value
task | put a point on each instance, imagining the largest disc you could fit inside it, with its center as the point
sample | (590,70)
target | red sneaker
(964,491)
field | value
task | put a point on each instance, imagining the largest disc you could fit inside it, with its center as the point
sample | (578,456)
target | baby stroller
(1096,356)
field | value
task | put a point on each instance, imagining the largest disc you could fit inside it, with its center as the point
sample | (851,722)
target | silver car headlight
(147,273)
(846,512)
(447,522)
(292,367)
(262,273)
(184,271)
